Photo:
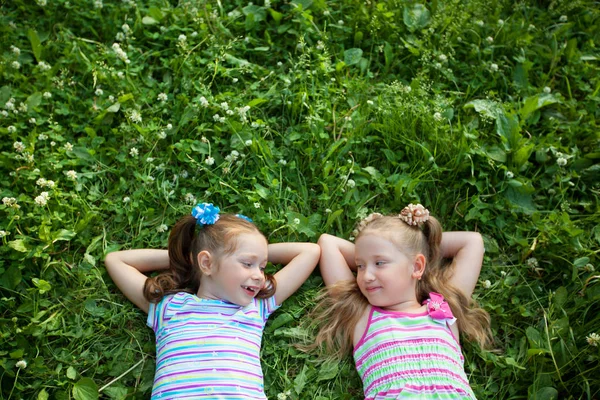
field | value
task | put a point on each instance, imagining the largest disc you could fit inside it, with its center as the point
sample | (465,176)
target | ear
(419,266)
(206,262)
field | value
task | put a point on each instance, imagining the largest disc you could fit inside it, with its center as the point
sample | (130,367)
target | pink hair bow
(437,307)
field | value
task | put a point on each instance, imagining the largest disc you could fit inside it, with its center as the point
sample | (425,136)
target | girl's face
(386,276)
(240,275)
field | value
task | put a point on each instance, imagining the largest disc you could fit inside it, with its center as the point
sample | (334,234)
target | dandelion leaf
(416,17)
(352,56)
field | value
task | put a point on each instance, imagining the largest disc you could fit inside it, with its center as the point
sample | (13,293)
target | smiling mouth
(372,289)
(250,290)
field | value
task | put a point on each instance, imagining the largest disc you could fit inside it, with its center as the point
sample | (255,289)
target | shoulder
(362,325)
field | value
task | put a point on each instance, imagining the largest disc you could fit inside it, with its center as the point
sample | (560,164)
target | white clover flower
(563,18)
(4,234)
(203,101)
(561,161)
(509,175)
(281,396)
(443,58)
(15,50)
(479,23)
(500,22)
(494,67)
(532,262)
(489,39)
(161,135)
(133,152)
(41,3)
(328,210)
(296,221)
(350,183)
(50,184)
(162,228)
(120,53)
(111,98)
(279,63)
(125,28)
(341,22)
(503,273)
(42,199)
(22,364)
(32,120)
(72,175)
(12,129)
(149,159)
(44,66)
(120,36)
(135,116)
(370,102)
(209,161)
(182,38)
(547,90)
(229,112)
(47,95)
(257,205)
(248,142)
(169,126)
(41,182)
(126,199)
(15,64)
(162,97)
(120,74)
(283,162)
(487,284)
(10,202)
(19,147)
(194,34)
(4,113)
(98,4)
(99,92)
(235,80)
(224,105)
(593,339)
(68,146)
(22,107)
(437,116)
(190,198)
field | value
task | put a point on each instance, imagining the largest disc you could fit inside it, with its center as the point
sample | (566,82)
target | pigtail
(269,289)
(338,310)
(183,274)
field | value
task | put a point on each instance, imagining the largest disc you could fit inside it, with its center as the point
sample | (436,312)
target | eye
(379,263)
(359,266)
(247,264)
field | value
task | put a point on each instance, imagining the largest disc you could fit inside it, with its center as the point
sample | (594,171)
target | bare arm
(127,268)
(337,259)
(300,260)
(467,250)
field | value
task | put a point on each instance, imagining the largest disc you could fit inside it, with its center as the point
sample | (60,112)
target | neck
(405,306)
(205,292)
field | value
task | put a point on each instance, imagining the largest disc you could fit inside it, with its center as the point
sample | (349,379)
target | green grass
(485,112)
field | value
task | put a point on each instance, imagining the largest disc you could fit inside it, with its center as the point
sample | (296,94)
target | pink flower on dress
(437,307)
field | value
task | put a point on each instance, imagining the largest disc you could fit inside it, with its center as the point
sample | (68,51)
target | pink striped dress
(412,355)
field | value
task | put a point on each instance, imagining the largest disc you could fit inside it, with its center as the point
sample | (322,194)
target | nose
(257,275)
(368,275)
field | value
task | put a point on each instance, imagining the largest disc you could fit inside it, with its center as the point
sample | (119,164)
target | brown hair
(341,305)
(186,240)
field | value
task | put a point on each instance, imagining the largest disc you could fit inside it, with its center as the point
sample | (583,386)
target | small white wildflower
(248,142)
(42,199)
(183,174)
(224,105)
(216,117)
(443,58)
(494,67)
(47,95)
(19,147)
(209,161)
(328,210)
(194,34)
(72,175)
(256,205)
(4,234)
(12,129)
(149,159)
(503,273)
(500,22)
(111,98)
(44,66)
(341,22)
(22,107)
(97,4)
(351,183)
(135,116)
(229,112)
(4,113)
(479,23)
(126,199)
(190,198)
(279,63)
(125,28)
(21,364)
(296,221)
(133,152)
(547,90)
(162,228)
(370,102)
(32,120)
(41,3)
(182,38)
(283,162)
(235,80)
(162,97)
(169,127)
(41,182)
(68,146)
(15,64)
(437,116)
(509,175)
(203,101)
(281,396)
(563,18)
(561,161)
(53,143)
(203,139)
(487,284)
(50,184)
(99,92)
(120,75)
(15,50)
(532,262)
(593,339)
(489,39)
(161,135)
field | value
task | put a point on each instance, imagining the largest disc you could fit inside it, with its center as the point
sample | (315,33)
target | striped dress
(208,349)
(408,355)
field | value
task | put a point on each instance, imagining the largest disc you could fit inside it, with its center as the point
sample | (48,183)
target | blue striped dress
(208,349)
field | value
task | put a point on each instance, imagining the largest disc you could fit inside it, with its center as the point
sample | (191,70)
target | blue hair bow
(205,214)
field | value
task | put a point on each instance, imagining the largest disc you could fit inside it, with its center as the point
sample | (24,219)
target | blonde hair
(186,240)
(341,306)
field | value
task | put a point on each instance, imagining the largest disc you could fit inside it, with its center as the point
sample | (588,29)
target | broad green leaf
(507,126)
(546,393)
(416,17)
(155,13)
(63,234)
(34,100)
(114,108)
(488,108)
(496,154)
(43,395)
(331,218)
(300,380)
(511,361)
(328,370)
(71,373)
(352,56)
(115,392)
(535,338)
(388,54)
(36,44)
(18,245)
(277,16)
(522,155)
(125,97)
(256,102)
(281,320)
(262,191)
(42,285)
(147,20)
(11,277)
(581,262)
(560,296)
(305,4)
(85,389)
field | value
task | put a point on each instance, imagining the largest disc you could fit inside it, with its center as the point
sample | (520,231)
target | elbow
(477,242)
(325,240)
(111,259)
